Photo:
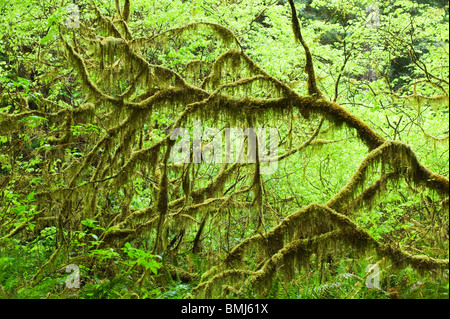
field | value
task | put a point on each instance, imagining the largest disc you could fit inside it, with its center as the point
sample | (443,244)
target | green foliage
(82,167)
(141,258)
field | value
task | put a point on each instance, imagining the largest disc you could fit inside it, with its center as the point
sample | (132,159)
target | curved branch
(395,155)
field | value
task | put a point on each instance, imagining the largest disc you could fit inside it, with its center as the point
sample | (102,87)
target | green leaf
(30,197)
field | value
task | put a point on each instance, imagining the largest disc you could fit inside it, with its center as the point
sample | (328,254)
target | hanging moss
(99,183)
(225,35)
(107,24)
(394,155)
(291,255)
(162,204)
(235,62)
(117,236)
(371,194)
(401,259)
(211,287)
(80,66)
(298,253)
(195,68)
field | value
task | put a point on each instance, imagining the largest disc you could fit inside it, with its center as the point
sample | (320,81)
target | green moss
(126,11)
(313,89)
(394,156)
(115,155)
(401,259)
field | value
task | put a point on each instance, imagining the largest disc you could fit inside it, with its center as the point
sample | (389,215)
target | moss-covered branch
(313,90)
(313,230)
